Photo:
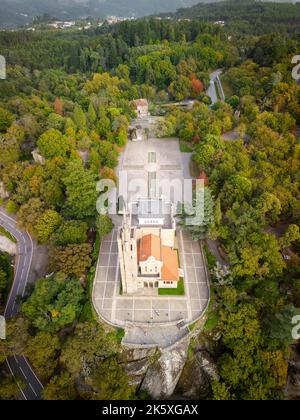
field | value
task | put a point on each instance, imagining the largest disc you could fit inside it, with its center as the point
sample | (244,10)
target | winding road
(212,91)
(19,365)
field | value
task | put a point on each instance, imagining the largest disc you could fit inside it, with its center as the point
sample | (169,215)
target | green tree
(46,224)
(104,225)
(291,235)
(6,119)
(92,116)
(86,347)
(55,121)
(199,219)
(79,118)
(52,143)
(277,327)
(256,256)
(270,206)
(221,392)
(54,303)
(29,213)
(10,387)
(204,155)
(111,382)
(72,259)
(60,387)
(70,232)
(81,194)
(42,351)
(9,150)
(181,88)
(236,189)
(16,338)
(108,154)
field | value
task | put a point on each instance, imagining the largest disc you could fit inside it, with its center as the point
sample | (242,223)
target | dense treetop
(68,98)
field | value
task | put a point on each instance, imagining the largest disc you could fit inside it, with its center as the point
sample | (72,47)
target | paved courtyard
(151,319)
(117,308)
(161,156)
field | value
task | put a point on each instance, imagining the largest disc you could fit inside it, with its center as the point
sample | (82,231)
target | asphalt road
(212,92)
(19,365)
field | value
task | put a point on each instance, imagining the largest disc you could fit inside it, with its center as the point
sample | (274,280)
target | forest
(68,97)
(247,16)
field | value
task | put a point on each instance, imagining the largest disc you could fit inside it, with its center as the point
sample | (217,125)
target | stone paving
(171,167)
(151,319)
(117,309)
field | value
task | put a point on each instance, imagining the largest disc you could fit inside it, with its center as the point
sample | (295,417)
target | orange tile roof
(140,102)
(170,267)
(149,246)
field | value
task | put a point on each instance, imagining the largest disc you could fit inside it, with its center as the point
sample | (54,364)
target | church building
(148,257)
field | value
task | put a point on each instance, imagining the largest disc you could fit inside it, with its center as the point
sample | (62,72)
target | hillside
(20,12)
(247,15)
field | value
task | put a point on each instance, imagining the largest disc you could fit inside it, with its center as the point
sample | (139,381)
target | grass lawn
(179,291)
(4,232)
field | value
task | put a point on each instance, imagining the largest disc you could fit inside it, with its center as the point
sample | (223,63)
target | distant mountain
(230,10)
(20,12)
(247,16)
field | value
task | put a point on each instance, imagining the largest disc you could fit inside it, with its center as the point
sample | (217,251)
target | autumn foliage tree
(72,259)
(197,85)
(58,106)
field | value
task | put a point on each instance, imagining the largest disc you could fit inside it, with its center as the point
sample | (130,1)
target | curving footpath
(18,365)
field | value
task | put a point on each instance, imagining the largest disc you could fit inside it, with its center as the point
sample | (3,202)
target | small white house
(142,107)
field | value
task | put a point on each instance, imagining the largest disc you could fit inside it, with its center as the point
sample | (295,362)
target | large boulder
(162,376)
(37,157)
(137,133)
(136,362)
(3,193)
(6,245)
(135,354)
(136,371)
(196,377)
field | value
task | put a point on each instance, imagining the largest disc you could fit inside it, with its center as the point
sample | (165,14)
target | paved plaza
(118,309)
(152,319)
(161,156)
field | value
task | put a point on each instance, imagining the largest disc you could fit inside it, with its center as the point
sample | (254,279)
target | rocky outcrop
(184,370)
(196,377)
(6,245)
(136,363)
(136,371)
(3,193)
(37,157)
(162,376)
(137,133)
